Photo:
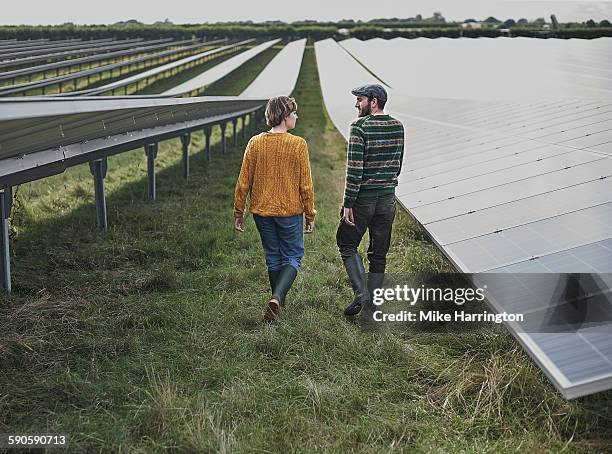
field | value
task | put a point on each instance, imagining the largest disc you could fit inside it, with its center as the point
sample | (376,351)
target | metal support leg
(6,203)
(185,139)
(252,121)
(98,170)
(223,127)
(151,152)
(234,124)
(207,133)
(243,127)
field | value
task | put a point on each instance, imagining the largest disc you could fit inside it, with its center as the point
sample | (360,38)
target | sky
(199,11)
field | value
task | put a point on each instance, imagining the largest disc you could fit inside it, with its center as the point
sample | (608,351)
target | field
(148,337)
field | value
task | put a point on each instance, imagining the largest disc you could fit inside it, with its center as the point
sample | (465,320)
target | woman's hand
(239,224)
(310,226)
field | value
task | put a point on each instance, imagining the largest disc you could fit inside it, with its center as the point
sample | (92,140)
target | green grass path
(149,337)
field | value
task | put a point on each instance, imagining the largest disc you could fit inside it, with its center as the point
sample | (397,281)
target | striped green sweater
(374,158)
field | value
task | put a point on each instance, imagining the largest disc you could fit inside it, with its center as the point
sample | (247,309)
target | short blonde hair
(278,109)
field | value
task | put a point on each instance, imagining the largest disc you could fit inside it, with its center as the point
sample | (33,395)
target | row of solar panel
(146,60)
(66,54)
(108,55)
(506,170)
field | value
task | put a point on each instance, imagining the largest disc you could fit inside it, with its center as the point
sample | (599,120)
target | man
(374,161)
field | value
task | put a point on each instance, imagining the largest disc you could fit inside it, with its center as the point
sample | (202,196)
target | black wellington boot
(375,281)
(284,281)
(356,274)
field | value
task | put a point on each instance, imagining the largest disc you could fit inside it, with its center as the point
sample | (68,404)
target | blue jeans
(282,239)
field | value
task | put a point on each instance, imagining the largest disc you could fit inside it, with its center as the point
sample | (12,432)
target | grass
(149,338)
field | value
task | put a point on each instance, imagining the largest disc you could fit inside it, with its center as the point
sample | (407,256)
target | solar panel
(491,68)
(75,120)
(508,172)
(524,242)
(516,182)
(219,71)
(280,75)
(595,257)
(479,220)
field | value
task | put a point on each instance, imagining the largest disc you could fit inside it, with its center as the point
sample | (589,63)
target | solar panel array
(515,184)
(42,136)
(53,46)
(149,59)
(55,55)
(144,47)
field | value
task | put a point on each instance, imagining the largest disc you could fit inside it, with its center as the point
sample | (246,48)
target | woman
(275,173)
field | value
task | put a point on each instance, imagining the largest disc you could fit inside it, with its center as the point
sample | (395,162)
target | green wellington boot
(284,281)
(273,275)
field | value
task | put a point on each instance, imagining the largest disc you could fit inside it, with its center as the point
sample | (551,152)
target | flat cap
(371,91)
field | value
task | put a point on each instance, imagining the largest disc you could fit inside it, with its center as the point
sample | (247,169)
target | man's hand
(239,224)
(348,216)
(310,226)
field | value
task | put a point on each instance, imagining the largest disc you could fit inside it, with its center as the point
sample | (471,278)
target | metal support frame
(243,127)
(185,140)
(6,203)
(151,152)
(98,169)
(207,132)
(234,125)
(223,128)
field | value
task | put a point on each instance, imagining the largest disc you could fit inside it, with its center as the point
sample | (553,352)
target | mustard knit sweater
(276,172)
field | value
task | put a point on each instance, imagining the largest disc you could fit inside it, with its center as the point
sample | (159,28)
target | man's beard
(367,110)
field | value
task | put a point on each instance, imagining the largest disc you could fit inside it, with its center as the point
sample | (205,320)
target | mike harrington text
(437,316)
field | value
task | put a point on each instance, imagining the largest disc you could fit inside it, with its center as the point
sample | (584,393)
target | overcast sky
(197,11)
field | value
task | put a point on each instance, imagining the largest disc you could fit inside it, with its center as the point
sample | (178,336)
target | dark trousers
(375,214)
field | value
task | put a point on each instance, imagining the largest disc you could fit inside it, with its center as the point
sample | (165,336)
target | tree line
(286,31)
